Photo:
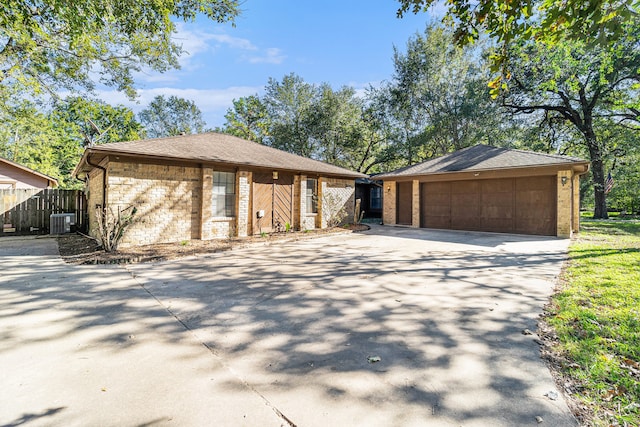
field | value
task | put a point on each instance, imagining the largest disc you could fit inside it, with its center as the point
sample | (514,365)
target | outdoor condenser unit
(61,223)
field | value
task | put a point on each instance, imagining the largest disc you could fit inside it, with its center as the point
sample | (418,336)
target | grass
(596,317)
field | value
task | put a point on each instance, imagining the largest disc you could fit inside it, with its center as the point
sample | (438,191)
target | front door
(274,199)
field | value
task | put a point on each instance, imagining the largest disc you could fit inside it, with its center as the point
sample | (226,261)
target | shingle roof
(482,157)
(216,148)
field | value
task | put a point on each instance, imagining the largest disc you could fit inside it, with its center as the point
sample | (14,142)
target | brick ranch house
(211,186)
(484,188)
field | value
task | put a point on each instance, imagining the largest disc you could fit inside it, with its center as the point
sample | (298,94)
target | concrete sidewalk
(393,327)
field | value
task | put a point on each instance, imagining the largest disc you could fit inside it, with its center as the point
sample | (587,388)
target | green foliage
(248,119)
(335,126)
(51,142)
(171,116)
(47,45)
(552,22)
(596,319)
(94,121)
(580,86)
(289,103)
(38,141)
(438,100)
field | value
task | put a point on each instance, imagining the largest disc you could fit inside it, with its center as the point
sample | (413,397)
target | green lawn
(596,316)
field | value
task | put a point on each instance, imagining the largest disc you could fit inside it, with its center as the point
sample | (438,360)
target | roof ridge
(540,153)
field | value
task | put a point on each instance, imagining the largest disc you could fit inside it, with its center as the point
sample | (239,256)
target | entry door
(405,203)
(275,198)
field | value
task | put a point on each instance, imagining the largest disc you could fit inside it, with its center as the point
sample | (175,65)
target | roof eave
(105,153)
(567,165)
(51,179)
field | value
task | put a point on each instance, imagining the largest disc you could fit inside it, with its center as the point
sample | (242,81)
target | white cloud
(233,42)
(271,56)
(195,42)
(212,102)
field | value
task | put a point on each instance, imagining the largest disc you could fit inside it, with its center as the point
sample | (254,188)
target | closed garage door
(508,205)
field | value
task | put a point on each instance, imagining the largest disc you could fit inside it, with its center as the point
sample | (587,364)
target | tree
(92,121)
(289,103)
(438,98)
(34,139)
(47,45)
(51,141)
(248,119)
(171,116)
(335,126)
(552,21)
(577,84)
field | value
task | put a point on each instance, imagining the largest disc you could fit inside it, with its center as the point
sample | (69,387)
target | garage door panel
(461,187)
(437,187)
(507,205)
(493,186)
(436,213)
(536,205)
(497,212)
(464,203)
(438,210)
(440,222)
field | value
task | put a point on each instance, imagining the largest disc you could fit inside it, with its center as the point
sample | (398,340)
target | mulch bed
(80,249)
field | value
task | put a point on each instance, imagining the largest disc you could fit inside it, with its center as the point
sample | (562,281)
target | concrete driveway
(392,327)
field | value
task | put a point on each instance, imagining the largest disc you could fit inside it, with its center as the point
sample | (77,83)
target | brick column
(565,202)
(415,211)
(320,221)
(243,217)
(206,206)
(300,201)
(576,203)
(389,202)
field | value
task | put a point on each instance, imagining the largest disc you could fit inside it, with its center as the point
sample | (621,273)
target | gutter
(104,179)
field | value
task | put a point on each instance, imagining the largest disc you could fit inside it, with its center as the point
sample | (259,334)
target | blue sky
(348,42)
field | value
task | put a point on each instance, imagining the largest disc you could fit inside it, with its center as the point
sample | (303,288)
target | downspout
(104,179)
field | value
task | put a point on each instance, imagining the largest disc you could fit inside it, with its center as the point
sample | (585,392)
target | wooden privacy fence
(28,211)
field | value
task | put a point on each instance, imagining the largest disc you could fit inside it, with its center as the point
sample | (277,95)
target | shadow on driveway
(445,315)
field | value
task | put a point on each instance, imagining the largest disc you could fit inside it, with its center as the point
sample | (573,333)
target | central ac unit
(61,223)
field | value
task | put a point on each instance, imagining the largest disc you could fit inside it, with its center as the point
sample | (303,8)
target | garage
(507,205)
(492,189)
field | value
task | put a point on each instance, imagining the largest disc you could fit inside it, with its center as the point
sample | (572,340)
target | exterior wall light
(563,180)
(275,174)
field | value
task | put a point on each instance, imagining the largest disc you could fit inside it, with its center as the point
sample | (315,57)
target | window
(224,194)
(312,195)
(376,198)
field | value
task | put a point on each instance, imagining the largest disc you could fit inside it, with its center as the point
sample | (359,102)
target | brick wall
(168,199)
(94,199)
(389,202)
(174,203)
(415,195)
(336,194)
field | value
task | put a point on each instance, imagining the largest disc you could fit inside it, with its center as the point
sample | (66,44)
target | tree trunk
(597,171)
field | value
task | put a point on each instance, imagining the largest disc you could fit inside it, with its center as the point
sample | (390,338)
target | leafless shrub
(334,209)
(111,226)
